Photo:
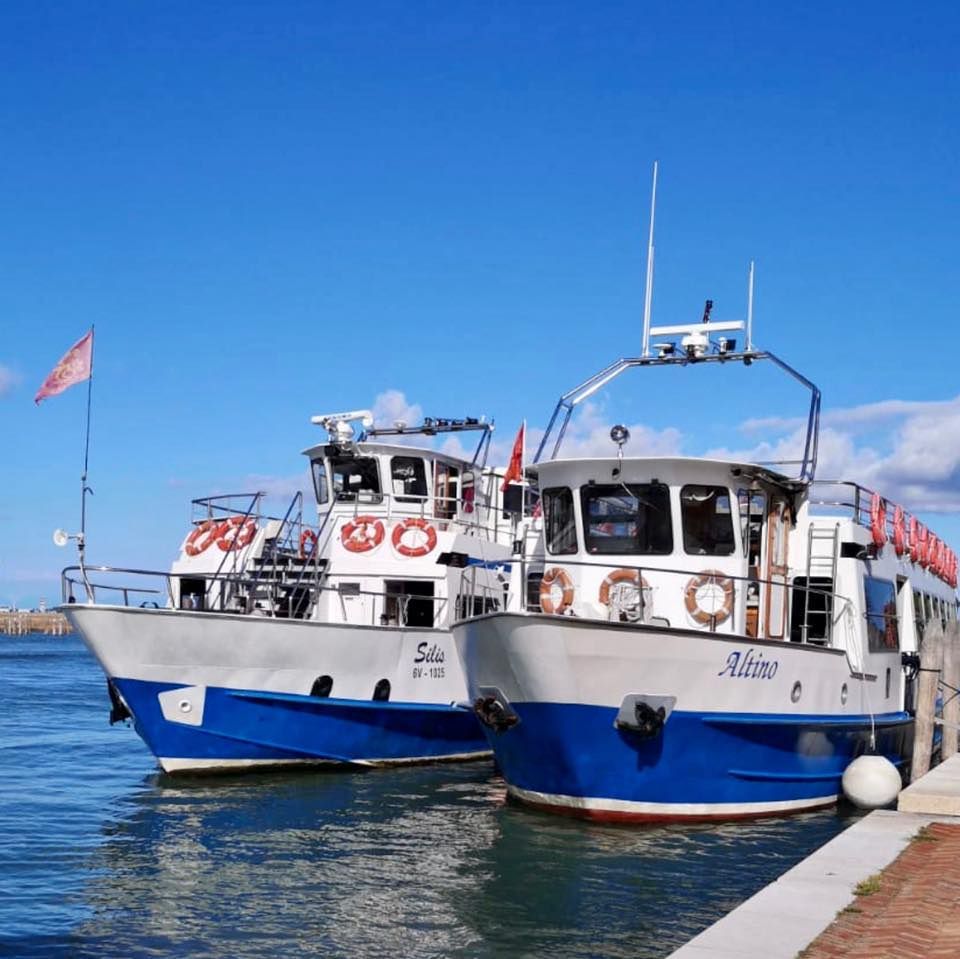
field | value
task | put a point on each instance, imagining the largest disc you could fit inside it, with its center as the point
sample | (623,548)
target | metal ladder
(823,549)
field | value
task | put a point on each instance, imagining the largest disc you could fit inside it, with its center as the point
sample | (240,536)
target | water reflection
(419,862)
(99,859)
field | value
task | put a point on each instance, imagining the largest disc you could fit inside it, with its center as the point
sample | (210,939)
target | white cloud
(907,450)
(391,407)
(282,487)
(589,435)
(9,380)
(864,417)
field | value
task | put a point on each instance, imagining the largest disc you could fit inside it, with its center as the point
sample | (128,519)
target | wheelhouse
(686,542)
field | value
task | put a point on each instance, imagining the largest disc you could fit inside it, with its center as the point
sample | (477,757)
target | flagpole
(523,464)
(84,489)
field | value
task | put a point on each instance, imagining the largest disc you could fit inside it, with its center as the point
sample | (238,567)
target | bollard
(931,657)
(951,681)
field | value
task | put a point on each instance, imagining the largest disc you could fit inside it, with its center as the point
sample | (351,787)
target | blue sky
(271,210)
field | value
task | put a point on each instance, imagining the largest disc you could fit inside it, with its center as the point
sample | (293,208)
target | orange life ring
(878,519)
(235,533)
(899,531)
(923,545)
(914,539)
(362,534)
(308,536)
(631,577)
(703,594)
(193,547)
(556,577)
(400,530)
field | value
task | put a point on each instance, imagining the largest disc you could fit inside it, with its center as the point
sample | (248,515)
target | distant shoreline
(20,622)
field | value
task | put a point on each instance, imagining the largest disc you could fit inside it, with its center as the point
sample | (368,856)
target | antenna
(648,294)
(749,348)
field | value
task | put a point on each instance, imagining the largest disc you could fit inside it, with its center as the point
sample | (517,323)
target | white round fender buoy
(871,782)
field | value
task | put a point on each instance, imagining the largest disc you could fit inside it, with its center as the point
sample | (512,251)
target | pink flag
(75,367)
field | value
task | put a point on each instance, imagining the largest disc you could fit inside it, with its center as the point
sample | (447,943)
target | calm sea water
(102,856)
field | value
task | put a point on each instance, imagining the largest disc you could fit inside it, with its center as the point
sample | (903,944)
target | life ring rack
(414,552)
(236,532)
(695,598)
(899,531)
(308,536)
(878,519)
(362,534)
(556,576)
(625,576)
(193,546)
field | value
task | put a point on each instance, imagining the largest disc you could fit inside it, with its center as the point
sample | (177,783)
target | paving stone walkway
(911,912)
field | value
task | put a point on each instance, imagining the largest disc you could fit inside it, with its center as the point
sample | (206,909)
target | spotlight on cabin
(726,345)
(61,537)
(664,349)
(619,434)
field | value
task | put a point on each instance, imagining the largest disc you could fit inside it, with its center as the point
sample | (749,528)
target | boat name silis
(432,656)
(749,666)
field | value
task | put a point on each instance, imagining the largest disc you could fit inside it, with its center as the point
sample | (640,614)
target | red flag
(75,366)
(514,472)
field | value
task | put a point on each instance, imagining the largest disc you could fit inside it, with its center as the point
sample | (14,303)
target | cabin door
(778,527)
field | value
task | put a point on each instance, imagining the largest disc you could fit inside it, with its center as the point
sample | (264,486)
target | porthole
(185,706)
(843,695)
(795,692)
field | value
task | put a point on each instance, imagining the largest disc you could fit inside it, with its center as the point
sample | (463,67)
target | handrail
(68,581)
(572,398)
(541,563)
(233,554)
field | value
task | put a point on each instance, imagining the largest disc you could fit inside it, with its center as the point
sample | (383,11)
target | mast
(648,294)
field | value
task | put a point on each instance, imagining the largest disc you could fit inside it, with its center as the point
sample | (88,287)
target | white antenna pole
(750,310)
(648,295)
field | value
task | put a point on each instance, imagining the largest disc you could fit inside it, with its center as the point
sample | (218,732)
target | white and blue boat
(696,638)
(278,641)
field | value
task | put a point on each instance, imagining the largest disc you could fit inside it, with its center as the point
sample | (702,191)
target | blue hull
(248,726)
(572,759)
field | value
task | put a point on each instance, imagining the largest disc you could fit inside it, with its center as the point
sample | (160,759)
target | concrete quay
(886,888)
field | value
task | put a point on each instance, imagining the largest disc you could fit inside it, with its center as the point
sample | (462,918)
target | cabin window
(445,491)
(881,609)
(408,479)
(707,521)
(320,481)
(355,478)
(811,608)
(629,518)
(559,522)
